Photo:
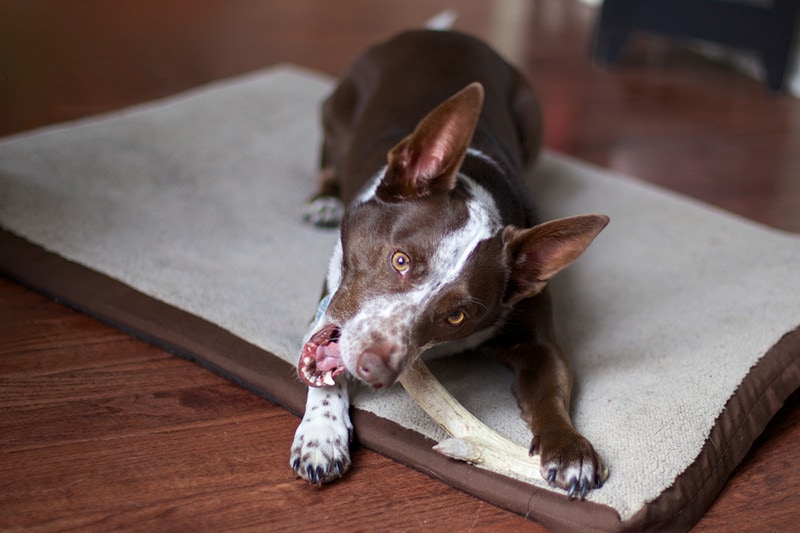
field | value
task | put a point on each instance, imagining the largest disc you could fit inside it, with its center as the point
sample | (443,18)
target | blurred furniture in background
(765,26)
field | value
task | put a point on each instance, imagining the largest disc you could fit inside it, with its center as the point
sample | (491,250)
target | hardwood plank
(92,383)
(130,411)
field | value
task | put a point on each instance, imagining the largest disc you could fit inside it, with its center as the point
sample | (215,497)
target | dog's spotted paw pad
(321,448)
(324,211)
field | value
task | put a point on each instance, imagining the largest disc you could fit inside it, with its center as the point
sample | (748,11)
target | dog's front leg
(321,447)
(543,388)
(568,459)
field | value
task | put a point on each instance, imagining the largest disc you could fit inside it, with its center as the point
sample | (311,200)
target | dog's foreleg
(321,447)
(543,388)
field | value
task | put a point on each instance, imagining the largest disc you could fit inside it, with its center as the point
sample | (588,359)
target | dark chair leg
(610,35)
(776,51)
(608,45)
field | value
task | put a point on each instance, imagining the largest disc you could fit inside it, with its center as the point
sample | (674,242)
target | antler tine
(470,439)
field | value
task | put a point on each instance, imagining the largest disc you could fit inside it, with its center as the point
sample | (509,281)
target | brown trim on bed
(144,317)
(746,414)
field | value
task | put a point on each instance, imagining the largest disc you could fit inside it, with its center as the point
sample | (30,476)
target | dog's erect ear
(427,161)
(537,254)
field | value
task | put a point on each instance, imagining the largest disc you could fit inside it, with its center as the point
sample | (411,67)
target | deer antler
(471,440)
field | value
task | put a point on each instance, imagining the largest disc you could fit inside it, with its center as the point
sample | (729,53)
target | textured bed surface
(195,200)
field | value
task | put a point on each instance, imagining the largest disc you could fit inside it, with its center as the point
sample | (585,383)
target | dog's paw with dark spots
(324,211)
(321,447)
(569,461)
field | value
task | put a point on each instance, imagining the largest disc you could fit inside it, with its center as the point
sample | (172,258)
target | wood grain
(101,431)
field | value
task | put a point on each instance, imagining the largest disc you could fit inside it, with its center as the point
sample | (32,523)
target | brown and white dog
(426,139)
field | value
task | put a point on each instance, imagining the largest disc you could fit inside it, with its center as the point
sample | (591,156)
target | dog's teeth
(327,378)
(307,360)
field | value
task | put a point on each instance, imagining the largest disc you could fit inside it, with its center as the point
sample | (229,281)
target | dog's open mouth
(321,360)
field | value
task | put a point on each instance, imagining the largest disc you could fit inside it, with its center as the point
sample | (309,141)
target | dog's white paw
(324,211)
(321,447)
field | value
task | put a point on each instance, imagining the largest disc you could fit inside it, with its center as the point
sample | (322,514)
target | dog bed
(179,221)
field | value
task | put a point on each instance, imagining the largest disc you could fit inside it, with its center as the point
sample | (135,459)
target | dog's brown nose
(376,370)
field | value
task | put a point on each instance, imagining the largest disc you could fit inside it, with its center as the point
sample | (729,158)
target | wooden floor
(100,431)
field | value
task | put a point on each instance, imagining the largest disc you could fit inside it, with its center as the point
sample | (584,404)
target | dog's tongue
(328,357)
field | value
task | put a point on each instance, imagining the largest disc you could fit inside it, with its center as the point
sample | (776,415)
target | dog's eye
(456,318)
(400,262)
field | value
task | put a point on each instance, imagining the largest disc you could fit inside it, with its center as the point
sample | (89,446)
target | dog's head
(424,258)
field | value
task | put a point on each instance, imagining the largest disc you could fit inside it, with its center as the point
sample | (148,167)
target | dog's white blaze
(451,256)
